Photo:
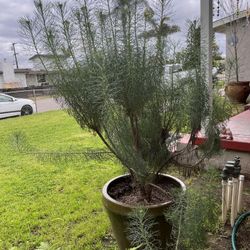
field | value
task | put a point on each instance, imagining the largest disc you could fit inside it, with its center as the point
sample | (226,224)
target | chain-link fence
(42,97)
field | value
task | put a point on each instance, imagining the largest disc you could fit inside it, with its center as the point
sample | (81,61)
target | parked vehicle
(11,106)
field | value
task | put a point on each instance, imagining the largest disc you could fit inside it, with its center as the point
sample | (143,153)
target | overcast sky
(12,10)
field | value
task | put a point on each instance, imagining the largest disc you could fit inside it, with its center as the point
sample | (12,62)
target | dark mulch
(128,193)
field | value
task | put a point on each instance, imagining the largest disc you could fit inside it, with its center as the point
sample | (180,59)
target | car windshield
(5,98)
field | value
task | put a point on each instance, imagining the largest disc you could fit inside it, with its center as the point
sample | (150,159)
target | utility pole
(15,54)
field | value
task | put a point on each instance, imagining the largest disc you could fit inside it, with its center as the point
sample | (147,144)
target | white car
(11,106)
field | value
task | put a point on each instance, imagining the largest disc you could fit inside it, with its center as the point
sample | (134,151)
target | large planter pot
(118,212)
(237,91)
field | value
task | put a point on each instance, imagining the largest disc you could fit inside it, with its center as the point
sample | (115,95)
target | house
(45,64)
(22,77)
(241,38)
(31,77)
(28,77)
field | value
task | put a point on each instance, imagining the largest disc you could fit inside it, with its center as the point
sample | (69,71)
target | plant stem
(135,132)
(159,188)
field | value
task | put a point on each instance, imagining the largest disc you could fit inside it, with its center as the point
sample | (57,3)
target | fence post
(34,95)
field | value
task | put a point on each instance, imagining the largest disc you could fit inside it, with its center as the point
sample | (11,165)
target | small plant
(108,65)
(195,213)
(141,230)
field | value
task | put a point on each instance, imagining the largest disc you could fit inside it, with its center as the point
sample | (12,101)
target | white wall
(21,79)
(1,78)
(1,81)
(31,80)
(243,34)
(37,65)
(10,78)
(8,72)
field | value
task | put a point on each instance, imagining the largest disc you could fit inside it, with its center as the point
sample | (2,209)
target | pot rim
(118,203)
(239,83)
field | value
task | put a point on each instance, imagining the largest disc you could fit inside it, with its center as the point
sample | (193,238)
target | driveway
(47,104)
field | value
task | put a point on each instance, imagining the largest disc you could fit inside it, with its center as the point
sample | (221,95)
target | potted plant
(236,89)
(107,64)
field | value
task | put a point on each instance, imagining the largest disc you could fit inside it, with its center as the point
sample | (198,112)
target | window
(41,78)
(4,98)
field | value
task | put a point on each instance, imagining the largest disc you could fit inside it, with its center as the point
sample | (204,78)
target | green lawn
(46,204)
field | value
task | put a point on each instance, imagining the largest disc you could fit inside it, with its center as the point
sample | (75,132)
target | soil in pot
(124,192)
(238,92)
(120,199)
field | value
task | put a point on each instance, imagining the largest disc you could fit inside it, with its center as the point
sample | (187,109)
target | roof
(35,72)
(221,24)
(40,55)
(21,70)
(30,71)
(45,56)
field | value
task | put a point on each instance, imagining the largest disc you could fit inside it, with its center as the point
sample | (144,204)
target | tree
(111,76)
(191,55)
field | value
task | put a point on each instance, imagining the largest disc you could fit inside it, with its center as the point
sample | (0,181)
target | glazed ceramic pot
(238,92)
(118,212)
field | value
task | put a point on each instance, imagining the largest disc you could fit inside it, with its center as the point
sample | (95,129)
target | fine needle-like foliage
(141,231)
(108,62)
(195,213)
(190,56)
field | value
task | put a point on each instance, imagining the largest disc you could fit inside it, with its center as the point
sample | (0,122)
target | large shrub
(108,65)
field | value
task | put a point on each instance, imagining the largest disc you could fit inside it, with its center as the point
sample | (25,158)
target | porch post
(206,43)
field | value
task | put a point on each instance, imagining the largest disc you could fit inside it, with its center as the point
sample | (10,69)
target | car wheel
(26,110)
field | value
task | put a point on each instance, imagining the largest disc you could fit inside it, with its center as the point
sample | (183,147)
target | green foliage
(52,203)
(108,63)
(190,56)
(196,213)
(141,231)
(43,246)
(193,215)
(222,109)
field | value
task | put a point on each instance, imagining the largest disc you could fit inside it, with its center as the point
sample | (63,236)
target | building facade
(237,32)
(21,78)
